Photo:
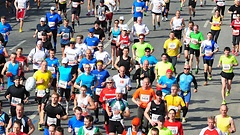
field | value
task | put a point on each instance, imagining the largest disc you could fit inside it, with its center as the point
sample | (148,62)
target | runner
(235,35)
(134,129)
(101,13)
(208,49)
(156,7)
(5,29)
(2,63)
(21,7)
(111,4)
(123,40)
(160,126)
(8,4)
(46,42)
(227,61)
(184,80)
(165,10)
(87,60)
(234,10)
(51,130)
(16,94)
(186,40)
(89,7)
(173,48)
(81,45)
(76,10)
(92,41)
(216,22)
(196,39)
(138,8)
(177,24)
(66,33)
(141,97)
(88,127)
(162,66)
(40,28)
(172,124)
(62,4)
(150,58)
(122,25)
(4,119)
(138,50)
(224,122)
(221,7)
(139,28)
(98,32)
(53,19)
(191,8)
(76,121)
(211,129)
(17,128)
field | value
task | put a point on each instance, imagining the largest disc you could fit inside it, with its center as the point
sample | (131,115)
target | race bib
(75,4)
(172,45)
(187,40)
(96,35)
(138,9)
(76,130)
(155,117)
(226,67)
(39,34)
(194,41)
(51,24)
(98,91)
(52,69)
(21,5)
(225,133)
(235,32)
(4,35)
(51,120)
(15,101)
(208,51)
(173,129)
(62,84)
(144,98)
(220,3)
(71,60)
(65,36)
(41,93)
(173,107)
(39,60)
(124,90)
(234,16)
(123,45)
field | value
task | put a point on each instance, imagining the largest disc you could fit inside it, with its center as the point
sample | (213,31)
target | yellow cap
(73,40)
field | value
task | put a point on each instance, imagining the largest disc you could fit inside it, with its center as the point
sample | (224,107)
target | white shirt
(22,4)
(38,56)
(104,56)
(121,26)
(107,3)
(157,6)
(72,55)
(207,45)
(206,128)
(139,29)
(83,48)
(122,83)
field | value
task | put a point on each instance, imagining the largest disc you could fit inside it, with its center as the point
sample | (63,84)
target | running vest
(83,101)
(126,63)
(157,110)
(125,40)
(76,3)
(2,119)
(216,21)
(177,23)
(115,34)
(24,121)
(223,124)
(122,106)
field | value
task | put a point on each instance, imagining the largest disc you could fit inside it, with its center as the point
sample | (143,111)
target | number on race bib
(98,91)
(155,117)
(65,36)
(51,24)
(173,107)
(51,120)
(138,9)
(75,4)
(173,129)
(144,98)
(172,45)
(52,69)
(41,93)
(235,32)
(15,101)
(226,67)
(62,84)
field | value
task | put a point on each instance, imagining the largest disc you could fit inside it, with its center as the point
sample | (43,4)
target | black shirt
(233,8)
(17,93)
(51,113)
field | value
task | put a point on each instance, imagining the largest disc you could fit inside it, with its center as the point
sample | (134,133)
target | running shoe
(93,13)
(224,102)
(154,28)
(184,120)
(166,19)
(20,30)
(205,83)
(40,127)
(196,71)
(88,14)
(180,8)
(227,93)
(210,78)
(145,14)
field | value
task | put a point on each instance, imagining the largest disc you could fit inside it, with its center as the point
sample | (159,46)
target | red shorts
(109,16)
(20,14)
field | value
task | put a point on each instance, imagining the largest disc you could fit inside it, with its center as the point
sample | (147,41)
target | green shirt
(83,131)
(163,131)
(226,62)
(140,49)
(196,38)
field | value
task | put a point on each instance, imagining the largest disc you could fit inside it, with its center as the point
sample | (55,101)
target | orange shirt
(144,96)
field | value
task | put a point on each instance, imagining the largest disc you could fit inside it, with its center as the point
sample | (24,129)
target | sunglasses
(187,68)
(141,38)
(100,46)
(109,82)
(147,51)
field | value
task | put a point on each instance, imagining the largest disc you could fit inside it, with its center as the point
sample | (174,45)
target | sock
(158,23)
(210,74)
(205,76)
(181,4)
(73,23)
(185,111)
(55,45)
(96,112)
(106,128)
(162,13)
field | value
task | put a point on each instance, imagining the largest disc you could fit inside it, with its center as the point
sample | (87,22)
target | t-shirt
(52,66)
(140,49)
(173,102)
(72,55)
(151,59)
(21,133)
(232,9)
(84,131)
(88,80)
(175,127)
(101,77)
(22,4)
(53,19)
(157,6)
(196,37)
(65,38)
(40,29)
(162,67)
(46,76)
(172,46)
(75,124)
(4,28)
(226,62)
(144,96)
(168,81)
(51,112)
(208,47)
(223,123)
(138,7)
(104,56)
(163,131)
(208,131)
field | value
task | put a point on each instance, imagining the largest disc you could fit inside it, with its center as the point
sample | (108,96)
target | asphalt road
(203,104)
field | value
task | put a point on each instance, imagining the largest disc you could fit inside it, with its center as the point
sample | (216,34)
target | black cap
(159,93)
(161,118)
(101,1)
(44,34)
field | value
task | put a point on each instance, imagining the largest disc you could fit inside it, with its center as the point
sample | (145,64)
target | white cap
(65,60)
(121,18)
(52,8)
(124,28)
(39,42)
(118,91)
(43,19)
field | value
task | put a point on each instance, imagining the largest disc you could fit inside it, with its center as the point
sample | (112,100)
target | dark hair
(14,53)
(19,48)
(126,48)
(227,49)
(53,125)
(78,108)
(3,17)
(171,32)
(147,48)
(172,110)
(84,86)
(116,20)
(155,129)
(81,36)
(89,117)
(141,35)
(164,54)
(0,102)
(18,122)
(60,129)
(209,33)
(191,22)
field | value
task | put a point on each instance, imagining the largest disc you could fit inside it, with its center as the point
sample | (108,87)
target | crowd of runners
(81,75)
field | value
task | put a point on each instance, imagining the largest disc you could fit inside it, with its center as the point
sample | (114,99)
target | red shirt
(21,59)
(125,39)
(175,127)
(21,133)
(236,24)
(208,131)
(108,94)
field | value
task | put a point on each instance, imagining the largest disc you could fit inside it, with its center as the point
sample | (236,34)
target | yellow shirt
(46,76)
(62,1)
(216,21)
(172,46)
(173,102)
(227,62)
(162,67)
(223,124)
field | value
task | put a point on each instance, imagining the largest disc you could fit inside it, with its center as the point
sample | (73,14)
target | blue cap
(91,30)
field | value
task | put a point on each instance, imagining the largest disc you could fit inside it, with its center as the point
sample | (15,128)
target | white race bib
(96,35)
(76,130)
(65,36)
(235,32)
(4,35)
(155,117)
(124,90)
(98,91)
(208,51)
(41,93)
(15,101)
(194,41)
(226,67)
(39,34)
(138,9)
(123,45)
(62,84)
(234,16)
(173,107)
(52,69)
(220,3)
(51,120)
(51,24)
(75,4)
(144,98)
(172,45)
(173,129)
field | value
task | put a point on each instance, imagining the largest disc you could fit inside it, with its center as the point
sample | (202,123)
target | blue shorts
(186,96)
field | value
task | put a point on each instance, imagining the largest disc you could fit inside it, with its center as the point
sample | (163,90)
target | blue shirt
(88,80)
(53,20)
(208,46)
(85,61)
(52,68)
(151,59)
(65,38)
(75,124)
(101,77)
(185,81)
(65,75)
(91,41)
(168,81)
(138,6)
(4,29)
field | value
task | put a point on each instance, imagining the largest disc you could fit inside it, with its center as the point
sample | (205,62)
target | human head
(217,12)
(211,122)
(136,123)
(66,21)
(164,57)
(109,82)
(177,13)
(139,20)
(209,36)
(78,112)
(42,20)
(190,25)
(174,89)
(159,95)
(88,54)
(125,51)
(160,121)
(19,109)
(101,2)
(227,51)
(147,51)
(195,28)
(52,9)
(17,80)
(13,56)
(172,114)
(17,126)
(186,69)
(118,93)
(145,64)
(44,36)
(223,110)
(121,19)
(55,97)
(3,19)
(96,24)
(44,65)
(83,89)
(145,83)
(72,43)
(59,131)
(19,51)
(52,129)
(87,68)
(65,61)
(154,131)
(99,65)
(79,39)
(52,53)
(169,73)
(122,71)
(88,121)
(141,38)
(100,47)
(39,44)
(171,35)
(116,22)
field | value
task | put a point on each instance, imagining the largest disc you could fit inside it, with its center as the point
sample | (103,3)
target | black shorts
(115,126)
(13,110)
(235,40)
(63,45)
(62,7)
(56,2)
(54,82)
(167,6)
(196,52)
(103,24)
(156,13)
(146,0)
(228,76)
(92,0)
(67,92)
(5,43)
(43,100)
(186,47)
(136,62)
(76,11)
(208,62)
(1,68)
(96,97)
(75,69)
(192,3)
(178,34)
(134,19)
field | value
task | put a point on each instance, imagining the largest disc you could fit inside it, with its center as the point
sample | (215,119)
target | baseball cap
(44,34)
(124,28)
(91,30)
(121,18)
(161,118)
(72,40)
(43,19)
(101,1)
(136,121)
(159,93)
(52,8)
(109,79)
(65,60)
(169,71)
(118,91)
